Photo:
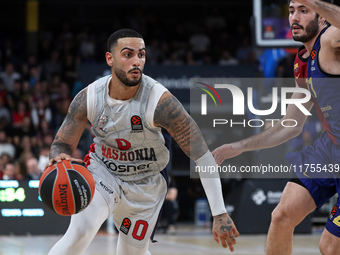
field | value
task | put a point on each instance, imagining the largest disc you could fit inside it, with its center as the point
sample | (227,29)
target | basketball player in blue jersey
(127,111)
(309,24)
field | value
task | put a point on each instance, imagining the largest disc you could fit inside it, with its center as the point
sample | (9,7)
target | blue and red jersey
(324,88)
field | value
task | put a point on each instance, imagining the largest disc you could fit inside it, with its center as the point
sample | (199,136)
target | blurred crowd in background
(36,89)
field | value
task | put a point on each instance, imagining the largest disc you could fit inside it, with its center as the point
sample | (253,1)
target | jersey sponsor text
(136,155)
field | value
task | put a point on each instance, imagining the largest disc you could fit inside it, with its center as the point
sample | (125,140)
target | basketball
(66,187)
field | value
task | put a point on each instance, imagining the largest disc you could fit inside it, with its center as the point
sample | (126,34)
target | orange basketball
(67,187)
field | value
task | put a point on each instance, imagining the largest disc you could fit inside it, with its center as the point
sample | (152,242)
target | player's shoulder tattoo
(171,115)
(168,110)
(78,105)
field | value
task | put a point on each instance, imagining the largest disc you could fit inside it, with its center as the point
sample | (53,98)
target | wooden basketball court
(187,240)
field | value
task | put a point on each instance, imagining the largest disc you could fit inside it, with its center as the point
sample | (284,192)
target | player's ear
(109,58)
(321,21)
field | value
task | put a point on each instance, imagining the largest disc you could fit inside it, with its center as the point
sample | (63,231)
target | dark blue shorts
(318,168)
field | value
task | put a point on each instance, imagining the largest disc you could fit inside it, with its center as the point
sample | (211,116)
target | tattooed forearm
(59,147)
(73,126)
(172,116)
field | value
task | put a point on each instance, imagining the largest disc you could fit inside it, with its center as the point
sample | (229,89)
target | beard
(121,75)
(311,31)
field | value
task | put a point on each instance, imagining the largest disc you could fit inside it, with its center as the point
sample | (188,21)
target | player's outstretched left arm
(171,115)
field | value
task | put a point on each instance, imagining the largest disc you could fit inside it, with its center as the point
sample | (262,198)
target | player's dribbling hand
(226,151)
(60,157)
(224,231)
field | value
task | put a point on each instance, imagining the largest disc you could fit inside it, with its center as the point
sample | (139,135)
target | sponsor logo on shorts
(108,190)
(335,208)
(126,224)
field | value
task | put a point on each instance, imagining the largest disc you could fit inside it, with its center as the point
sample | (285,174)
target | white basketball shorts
(135,204)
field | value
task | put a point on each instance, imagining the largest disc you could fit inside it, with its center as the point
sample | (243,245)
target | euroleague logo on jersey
(313,54)
(136,123)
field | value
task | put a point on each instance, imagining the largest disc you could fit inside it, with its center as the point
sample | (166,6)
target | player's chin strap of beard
(211,183)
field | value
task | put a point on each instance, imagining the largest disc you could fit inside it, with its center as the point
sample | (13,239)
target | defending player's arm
(171,115)
(68,135)
(328,11)
(269,138)
(331,39)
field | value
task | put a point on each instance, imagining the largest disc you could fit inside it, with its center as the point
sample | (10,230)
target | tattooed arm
(171,115)
(68,135)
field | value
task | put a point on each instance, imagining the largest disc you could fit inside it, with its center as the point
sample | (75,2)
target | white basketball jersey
(126,140)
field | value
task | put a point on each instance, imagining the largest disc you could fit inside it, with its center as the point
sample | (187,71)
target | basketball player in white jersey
(127,111)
